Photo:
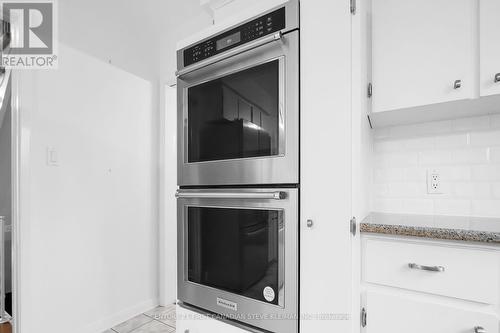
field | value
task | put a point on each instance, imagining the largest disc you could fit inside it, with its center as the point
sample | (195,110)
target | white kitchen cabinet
(325,198)
(387,263)
(421,51)
(489,31)
(461,297)
(389,313)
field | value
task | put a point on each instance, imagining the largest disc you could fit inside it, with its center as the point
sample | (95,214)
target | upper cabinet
(489,31)
(422,51)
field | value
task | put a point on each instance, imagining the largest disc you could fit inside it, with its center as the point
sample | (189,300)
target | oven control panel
(262,26)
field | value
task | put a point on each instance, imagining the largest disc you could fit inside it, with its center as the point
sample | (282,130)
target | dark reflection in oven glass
(236,116)
(236,250)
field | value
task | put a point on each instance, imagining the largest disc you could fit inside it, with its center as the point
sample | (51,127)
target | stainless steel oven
(238,104)
(238,254)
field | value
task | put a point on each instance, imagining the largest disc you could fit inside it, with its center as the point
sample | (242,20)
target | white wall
(88,226)
(466,152)
(125,33)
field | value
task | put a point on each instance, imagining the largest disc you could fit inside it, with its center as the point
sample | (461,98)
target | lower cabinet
(388,313)
(419,285)
(192,322)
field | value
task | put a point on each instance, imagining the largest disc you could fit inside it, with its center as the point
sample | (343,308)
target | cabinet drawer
(468,274)
(395,314)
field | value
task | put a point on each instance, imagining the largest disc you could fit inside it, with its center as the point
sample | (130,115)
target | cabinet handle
(426,268)
(479,329)
(310,223)
(457,84)
(497,78)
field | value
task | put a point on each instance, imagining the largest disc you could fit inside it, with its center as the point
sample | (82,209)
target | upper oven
(238,104)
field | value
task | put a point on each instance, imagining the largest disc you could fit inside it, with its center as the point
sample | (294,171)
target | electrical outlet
(434,182)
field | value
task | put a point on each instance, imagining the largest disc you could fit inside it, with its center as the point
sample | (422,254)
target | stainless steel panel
(244,48)
(280,169)
(249,311)
(224,194)
(291,23)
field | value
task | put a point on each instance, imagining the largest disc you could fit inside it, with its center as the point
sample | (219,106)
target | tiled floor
(158,320)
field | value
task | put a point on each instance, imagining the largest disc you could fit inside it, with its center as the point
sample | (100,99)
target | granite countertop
(459,228)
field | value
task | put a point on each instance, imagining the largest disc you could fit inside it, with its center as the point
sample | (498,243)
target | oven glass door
(236,116)
(236,250)
(238,119)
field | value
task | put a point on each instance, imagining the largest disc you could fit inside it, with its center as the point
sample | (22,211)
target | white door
(421,51)
(325,249)
(490,47)
(389,313)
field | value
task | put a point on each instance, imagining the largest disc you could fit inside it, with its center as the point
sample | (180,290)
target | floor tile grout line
(164,323)
(149,322)
(170,307)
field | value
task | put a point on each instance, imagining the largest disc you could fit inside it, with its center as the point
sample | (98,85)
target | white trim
(20,167)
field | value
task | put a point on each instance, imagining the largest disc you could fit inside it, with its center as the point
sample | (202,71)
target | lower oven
(238,254)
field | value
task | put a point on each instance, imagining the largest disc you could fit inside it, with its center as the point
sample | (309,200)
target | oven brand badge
(269,294)
(227,304)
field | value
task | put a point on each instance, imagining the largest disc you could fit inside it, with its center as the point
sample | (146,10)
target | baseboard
(119,317)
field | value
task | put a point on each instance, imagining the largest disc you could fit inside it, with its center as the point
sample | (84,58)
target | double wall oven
(238,171)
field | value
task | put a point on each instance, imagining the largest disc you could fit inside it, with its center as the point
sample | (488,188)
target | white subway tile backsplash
(495,155)
(381,190)
(471,124)
(388,175)
(470,156)
(388,206)
(452,207)
(466,153)
(387,146)
(486,208)
(404,190)
(495,121)
(396,159)
(455,173)
(472,190)
(413,174)
(486,173)
(419,130)
(418,206)
(452,141)
(485,139)
(495,188)
(435,158)
(419,144)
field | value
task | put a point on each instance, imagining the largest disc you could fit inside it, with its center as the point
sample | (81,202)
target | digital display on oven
(228,41)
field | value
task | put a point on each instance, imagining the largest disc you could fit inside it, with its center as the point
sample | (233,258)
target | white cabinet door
(490,47)
(419,49)
(325,250)
(389,313)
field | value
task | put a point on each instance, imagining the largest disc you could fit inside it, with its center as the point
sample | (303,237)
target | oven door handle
(275,195)
(231,53)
